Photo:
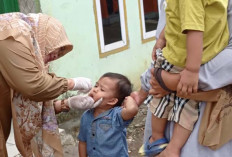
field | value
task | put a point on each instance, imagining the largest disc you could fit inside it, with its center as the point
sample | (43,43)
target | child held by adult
(218,66)
(184,55)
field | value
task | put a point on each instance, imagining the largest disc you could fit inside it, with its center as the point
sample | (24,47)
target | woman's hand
(82,102)
(82,84)
(78,102)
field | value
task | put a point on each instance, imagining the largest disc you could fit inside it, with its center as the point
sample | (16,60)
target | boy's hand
(129,100)
(160,44)
(188,82)
(130,108)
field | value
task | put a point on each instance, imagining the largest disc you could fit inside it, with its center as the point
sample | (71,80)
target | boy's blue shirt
(104,135)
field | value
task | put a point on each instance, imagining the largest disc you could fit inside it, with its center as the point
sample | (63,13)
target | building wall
(78,19)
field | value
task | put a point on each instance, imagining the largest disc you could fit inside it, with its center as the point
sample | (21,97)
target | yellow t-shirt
(209,16)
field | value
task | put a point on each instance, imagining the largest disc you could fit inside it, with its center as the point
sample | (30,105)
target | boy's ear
(113,101)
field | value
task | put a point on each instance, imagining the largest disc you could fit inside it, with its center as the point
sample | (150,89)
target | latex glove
(82,84)
(82,102)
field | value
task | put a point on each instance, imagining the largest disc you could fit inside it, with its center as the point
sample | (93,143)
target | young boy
(103,129)
(187,47)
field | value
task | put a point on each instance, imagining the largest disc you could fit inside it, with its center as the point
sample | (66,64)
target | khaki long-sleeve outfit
(19,70)
(25,85)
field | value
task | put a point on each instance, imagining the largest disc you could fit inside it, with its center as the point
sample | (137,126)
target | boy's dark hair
(124,86)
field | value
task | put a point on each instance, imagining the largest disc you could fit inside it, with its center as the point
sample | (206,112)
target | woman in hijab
(27,44)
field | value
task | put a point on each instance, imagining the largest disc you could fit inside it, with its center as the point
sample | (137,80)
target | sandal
(154,148)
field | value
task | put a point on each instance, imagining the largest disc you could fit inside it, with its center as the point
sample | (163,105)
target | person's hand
(82,84)
(82,102)
(157,91)
(160,44)
(139,96)
(128,101)
(188,83)
(129,108)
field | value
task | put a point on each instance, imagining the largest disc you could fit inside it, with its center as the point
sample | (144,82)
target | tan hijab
(35,123)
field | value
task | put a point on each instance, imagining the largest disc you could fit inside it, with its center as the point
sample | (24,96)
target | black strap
(158,77)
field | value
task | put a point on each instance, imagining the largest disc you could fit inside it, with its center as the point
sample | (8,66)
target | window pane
(111,21)
(151,14)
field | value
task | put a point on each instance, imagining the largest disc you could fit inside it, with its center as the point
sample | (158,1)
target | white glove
(82,84)
(82,102)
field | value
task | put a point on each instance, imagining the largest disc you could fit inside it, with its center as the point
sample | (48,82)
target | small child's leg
(179,138)
(170,80)
(139,96)
(158,128)
(157,142)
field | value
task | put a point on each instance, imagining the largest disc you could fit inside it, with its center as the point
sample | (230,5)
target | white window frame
(116,46)
(146,35)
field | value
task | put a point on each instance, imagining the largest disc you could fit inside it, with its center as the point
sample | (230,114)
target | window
(111,26)
(149,15)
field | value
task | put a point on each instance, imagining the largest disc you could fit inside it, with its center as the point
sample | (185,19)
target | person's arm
(22,74)
(82,149)
(78,102)
(189,76)
(172,81)
(160,44)
(71,84)
(130,108)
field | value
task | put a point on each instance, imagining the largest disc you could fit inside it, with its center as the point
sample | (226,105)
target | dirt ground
(134,134)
